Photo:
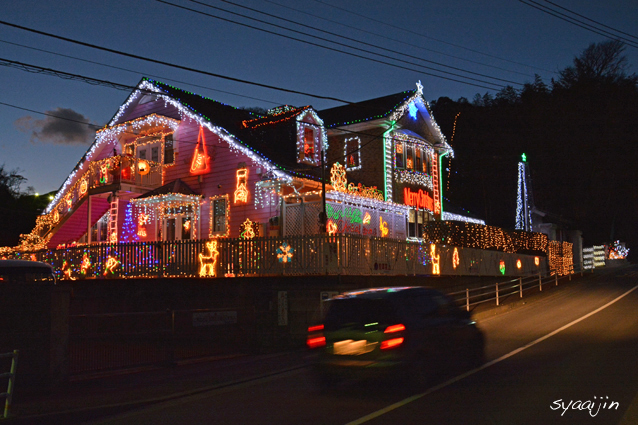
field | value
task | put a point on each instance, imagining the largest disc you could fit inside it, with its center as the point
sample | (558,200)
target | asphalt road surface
(570,358)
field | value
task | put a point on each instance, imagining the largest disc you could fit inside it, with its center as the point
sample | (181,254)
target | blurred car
(24,271)
(409,332)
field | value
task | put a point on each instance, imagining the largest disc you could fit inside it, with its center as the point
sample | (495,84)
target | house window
(169,154)
(309,143)
(155,154)
(141,153)
(399,155)
(409,160)
(353,153)
(418,160)
(177,223)
(219,216)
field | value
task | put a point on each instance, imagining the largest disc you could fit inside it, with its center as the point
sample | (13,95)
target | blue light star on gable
(412,110)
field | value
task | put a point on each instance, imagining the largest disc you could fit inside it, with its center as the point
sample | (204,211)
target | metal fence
(11,375)
(496,292)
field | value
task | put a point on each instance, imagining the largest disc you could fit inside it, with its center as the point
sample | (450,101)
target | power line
(335,49)
(139,72)
(397,40)
(430,38)
(590,20)
(577,22)
(185,68)
(349,39)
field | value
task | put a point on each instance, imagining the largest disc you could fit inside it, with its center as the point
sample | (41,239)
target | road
(569,358)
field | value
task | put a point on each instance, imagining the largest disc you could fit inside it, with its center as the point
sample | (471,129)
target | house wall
(220,180)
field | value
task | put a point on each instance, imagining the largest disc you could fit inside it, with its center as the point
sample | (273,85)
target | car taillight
(394,328)
(392,342)
(315,337)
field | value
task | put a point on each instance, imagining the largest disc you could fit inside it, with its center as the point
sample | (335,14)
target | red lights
(391,343)
(394,328)
(315,340)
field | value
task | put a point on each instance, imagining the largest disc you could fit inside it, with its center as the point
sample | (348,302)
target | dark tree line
(18,207)
(581,140)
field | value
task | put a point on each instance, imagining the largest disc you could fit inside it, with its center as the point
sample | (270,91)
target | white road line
(451,381)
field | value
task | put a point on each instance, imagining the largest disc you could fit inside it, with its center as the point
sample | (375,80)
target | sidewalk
(95,396)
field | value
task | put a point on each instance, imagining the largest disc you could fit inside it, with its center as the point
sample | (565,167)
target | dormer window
(309,143)
(311,138)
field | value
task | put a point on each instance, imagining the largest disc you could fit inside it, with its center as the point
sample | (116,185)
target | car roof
(24,264)
(385,292)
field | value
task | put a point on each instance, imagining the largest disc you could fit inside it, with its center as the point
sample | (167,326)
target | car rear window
(359,311)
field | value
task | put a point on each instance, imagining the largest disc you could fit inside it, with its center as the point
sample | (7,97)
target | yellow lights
(111,264)
(383,227)
(519,264)
(56,216)
(339,182)
(143,168)
(331,228)
(69,203)
(537,261)
(436,260)
(208,263)
(142,219)
(85,265)
(367,218)
(104,169)
(200,162)
(84,187)
(113,237)
(248,229)
(338,178)
(455,259)
(241,192)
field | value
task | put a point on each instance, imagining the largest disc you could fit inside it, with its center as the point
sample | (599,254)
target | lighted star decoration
(338,178)
(208,263)
(455,259)
(284,253)
(383,227)
(111,264)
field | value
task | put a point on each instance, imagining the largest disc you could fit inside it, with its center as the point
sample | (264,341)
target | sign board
(213,318)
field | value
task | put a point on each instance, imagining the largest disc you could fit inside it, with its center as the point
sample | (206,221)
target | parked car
(409,332)
(23,271)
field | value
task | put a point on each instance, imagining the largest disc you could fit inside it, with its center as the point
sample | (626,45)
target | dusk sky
(495,43)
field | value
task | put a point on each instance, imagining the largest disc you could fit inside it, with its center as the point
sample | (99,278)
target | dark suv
(412,332)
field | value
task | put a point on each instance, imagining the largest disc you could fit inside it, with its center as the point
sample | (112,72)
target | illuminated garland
(171,205)
(266,192)
(338,181)
(471,235)
(269,119)
(447,216)
(414,177)
(523,208)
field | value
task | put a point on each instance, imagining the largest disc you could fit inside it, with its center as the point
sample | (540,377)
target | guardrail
(497,291)
(12,376)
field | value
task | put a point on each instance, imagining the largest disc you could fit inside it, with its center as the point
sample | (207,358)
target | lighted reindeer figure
(207,263)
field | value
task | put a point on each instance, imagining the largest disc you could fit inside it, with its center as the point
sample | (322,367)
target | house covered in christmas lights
(173,165)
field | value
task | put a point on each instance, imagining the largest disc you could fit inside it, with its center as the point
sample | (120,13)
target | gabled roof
(367,110)
(174,187)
